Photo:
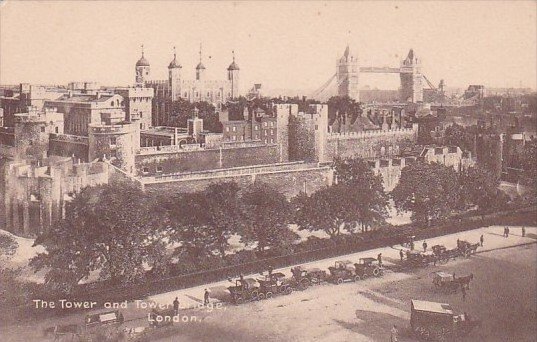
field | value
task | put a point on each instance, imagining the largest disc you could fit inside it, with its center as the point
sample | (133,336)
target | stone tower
(174,77)
(411,79)
(347,75)
(233,78)
(117,143)
(200,69)
(142,70)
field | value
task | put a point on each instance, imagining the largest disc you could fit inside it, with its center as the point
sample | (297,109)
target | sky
(283,45)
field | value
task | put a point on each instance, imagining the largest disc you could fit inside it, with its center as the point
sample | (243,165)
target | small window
(234,128)
(271,140)
(56,130)
(159,169)
(234,138)
(43,129)
(265,124)
(208,94)
(256,127)
(113,141)
(271,132)
(112,103)
(141,114)
(145,170)
(257,136)
(227,129)
(272,124)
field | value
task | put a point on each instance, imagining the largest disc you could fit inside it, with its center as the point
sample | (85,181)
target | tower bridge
(348,72)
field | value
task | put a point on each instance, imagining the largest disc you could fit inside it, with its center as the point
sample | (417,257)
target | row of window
(256,128)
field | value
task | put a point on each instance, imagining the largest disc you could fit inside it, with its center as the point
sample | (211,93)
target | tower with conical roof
(142,70)
(200,69)
(233,77)
(411,79)
(174,77)
(347,75)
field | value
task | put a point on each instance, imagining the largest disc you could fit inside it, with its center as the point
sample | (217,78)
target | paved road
(192,297)
(493,239)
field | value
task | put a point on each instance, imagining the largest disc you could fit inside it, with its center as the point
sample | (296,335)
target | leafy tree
(364,190)
(182,110)
(328,210)
(266,218)
(428,191)
(480,187)
(343,105)
(464,137)
(111,229)
(8,245)
(205,221)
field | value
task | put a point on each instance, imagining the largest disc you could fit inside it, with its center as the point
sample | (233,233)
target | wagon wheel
(357,278)
(254,295)
(288,290)
(339,281)
(261,296)
(315,280)
(376,272)
(304,283)
(269,294)
(239,300)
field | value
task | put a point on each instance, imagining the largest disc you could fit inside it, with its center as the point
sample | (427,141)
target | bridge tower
(411,79)
(347,76)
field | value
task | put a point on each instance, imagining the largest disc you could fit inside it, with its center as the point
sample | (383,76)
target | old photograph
(268,171)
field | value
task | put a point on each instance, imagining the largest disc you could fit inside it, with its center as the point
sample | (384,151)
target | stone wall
(160,162)
(290,181)
(369,144)
(69,146)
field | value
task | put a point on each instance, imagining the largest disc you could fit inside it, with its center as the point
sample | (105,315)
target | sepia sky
(291,45)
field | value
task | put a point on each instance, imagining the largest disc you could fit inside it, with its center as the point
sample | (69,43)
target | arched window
(112,103)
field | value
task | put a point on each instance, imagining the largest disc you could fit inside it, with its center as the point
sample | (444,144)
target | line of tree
(117,232)
(432,191)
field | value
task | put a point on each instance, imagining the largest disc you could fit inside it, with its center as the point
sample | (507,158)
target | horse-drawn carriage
(443,255)
(418,259)
(445,281)
(437,322)
(103,326)
(466,248)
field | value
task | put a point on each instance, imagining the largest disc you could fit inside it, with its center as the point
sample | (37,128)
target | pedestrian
(401,254)
(206,297)
(507,232)
(463,290)
(379,258)
(458,243)
(453,275)
(424,246)
(394,333)
(176,306)
(523,231)
(481,239)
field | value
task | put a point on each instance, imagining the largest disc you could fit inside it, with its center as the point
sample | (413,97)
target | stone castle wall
(205,159)
(368,144)
(64,145)
(288,179)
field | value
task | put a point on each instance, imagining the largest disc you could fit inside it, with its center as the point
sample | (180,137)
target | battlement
(119,128)
(69,138)
(136,92)
(371,134)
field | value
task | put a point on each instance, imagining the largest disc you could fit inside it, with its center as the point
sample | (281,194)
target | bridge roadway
(383,70)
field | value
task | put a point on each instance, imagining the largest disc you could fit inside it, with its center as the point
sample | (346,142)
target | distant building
(347,75)
(177,87)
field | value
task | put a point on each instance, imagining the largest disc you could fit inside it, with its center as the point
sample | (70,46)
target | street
(360,311)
